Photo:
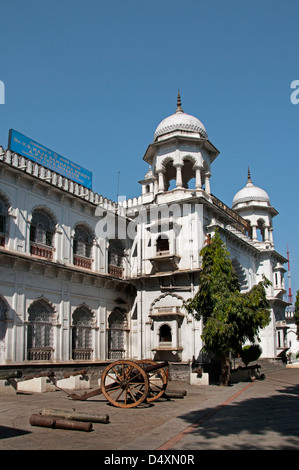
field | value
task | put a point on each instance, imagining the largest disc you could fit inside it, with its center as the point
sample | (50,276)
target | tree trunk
(225,371)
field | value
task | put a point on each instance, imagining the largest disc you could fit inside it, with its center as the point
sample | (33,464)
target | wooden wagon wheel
(125,384)
(158,379)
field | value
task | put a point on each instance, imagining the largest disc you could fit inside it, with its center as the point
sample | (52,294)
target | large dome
(180,121)
(250,193)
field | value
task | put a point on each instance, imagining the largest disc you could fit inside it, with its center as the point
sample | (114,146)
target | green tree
(296,315)
(229,317)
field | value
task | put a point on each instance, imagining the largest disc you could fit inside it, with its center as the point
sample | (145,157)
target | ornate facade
(83,278)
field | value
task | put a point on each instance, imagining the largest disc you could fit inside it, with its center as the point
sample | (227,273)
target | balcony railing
(82,354)
(82,262)
(116,354)
(115,271)
(240,223)
(41,251)
(39,354)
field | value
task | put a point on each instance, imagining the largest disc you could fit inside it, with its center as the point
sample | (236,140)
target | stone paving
(255,415)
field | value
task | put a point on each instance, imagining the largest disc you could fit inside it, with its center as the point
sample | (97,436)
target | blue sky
(92,79)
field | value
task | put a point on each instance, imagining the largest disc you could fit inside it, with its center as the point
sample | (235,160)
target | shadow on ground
(277,413)
(7,432)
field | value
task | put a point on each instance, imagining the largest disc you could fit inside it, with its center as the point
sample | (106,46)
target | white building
(74,289)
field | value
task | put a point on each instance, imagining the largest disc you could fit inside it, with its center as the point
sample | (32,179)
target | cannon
(124,383)
(127,384)
(7,375)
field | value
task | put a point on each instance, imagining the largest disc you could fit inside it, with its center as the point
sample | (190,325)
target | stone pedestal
(203,379)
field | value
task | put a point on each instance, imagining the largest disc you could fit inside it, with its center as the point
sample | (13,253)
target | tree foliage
(229,317)
(250,353)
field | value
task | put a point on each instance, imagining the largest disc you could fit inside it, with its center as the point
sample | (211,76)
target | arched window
(40,331)
(82,334)
(116,335)
(260,230)
(248,229)
(42,234)
(169,176)
(115,258)
(82,247)
(3,220)
(188,174)
(3,327)
(165,334)
(162,243)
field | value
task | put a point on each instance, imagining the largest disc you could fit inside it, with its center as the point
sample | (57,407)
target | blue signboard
(27,147)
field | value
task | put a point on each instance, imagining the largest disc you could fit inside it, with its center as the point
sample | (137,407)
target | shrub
(250,353)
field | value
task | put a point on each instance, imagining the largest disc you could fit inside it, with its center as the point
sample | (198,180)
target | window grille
(82,242)
(3,221)
(116,335)
(40,331)
(42,229)
(81,334)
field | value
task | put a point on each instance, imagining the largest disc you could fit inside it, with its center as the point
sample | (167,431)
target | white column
(207,183)
(198,184)
(161,181)
(254,235)
(179,182)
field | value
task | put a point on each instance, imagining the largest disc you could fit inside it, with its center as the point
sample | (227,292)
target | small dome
(250,193)
(180,121)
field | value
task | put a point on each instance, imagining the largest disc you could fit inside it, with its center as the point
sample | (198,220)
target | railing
(39,354)
(82,262)
(82,354)
(116,354)
(115,271)
(166,311)
(41,251)
(240,223)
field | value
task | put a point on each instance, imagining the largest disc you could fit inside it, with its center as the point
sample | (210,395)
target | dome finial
(249,176)
(179,104)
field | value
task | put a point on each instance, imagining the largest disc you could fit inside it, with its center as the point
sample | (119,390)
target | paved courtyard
(247,415)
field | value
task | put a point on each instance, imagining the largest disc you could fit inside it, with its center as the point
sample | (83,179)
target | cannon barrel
(157,366)
(49,422)
(75,415)
(10,374)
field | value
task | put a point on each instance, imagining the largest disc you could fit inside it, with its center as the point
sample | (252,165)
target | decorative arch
(165,333)
(117,324)
(42,230)
(188,171)
(4,220)
(169,173)
(83,239)
(116,256)
(162,243)
(162,296)
(47,210)
(260,229)
(83,320)
(40,334)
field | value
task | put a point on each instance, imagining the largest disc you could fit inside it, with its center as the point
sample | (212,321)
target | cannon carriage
(124,383)
(127,384)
